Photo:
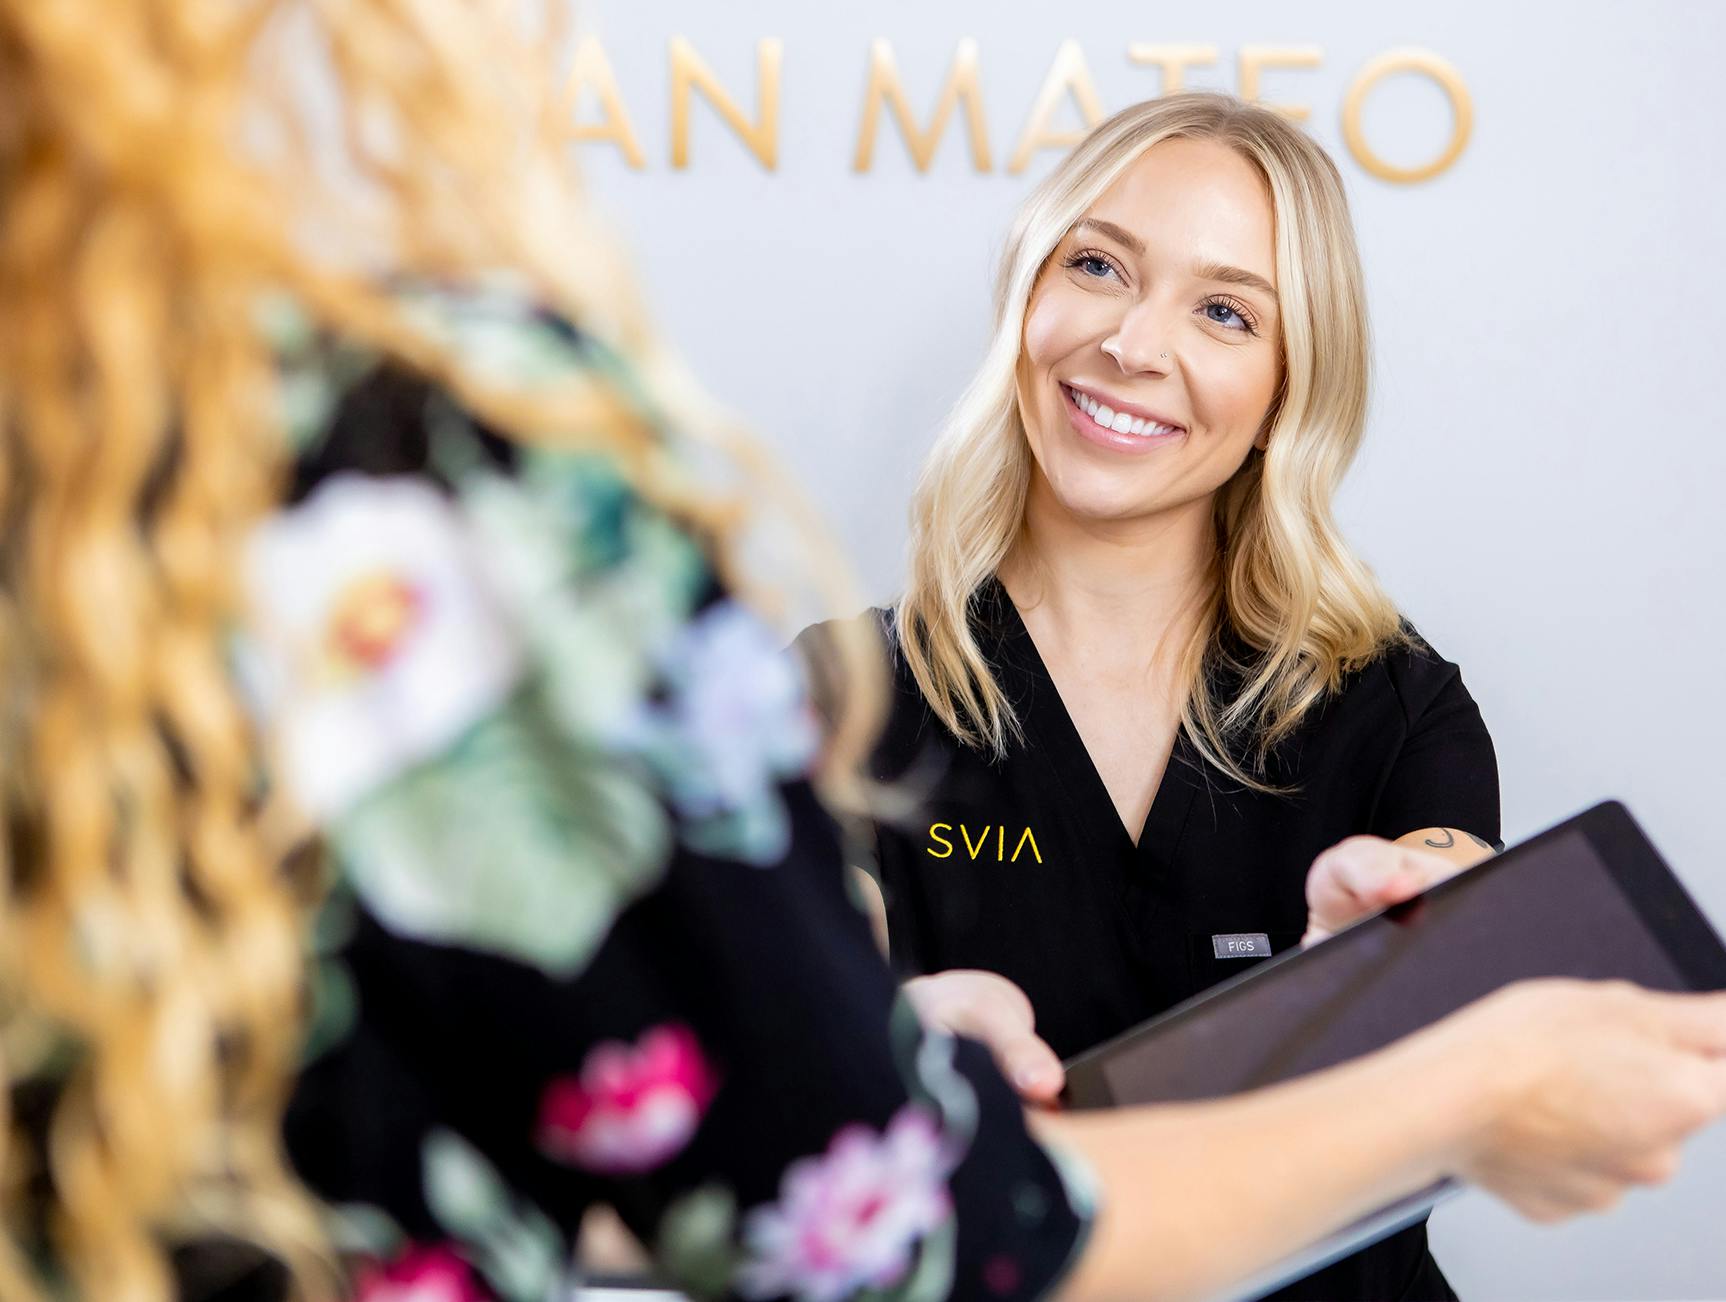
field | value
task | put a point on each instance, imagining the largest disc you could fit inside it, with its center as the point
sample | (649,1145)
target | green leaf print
(515,841)
(513,1243)
(696,1243)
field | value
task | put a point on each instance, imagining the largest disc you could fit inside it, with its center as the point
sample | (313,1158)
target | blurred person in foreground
(411,831)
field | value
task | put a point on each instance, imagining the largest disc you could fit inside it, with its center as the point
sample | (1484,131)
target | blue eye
(1228,310)
(1093,265)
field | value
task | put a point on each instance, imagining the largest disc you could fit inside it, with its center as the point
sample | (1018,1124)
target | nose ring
(1165,357)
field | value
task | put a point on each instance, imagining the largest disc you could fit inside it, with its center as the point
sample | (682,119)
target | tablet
(1588,898)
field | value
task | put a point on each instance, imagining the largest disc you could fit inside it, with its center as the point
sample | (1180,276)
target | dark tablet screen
(1554,906)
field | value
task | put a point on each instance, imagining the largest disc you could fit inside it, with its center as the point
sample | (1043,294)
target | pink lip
(1103,436)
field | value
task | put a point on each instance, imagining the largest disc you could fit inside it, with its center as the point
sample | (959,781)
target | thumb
(1032,1067)
(1403,884)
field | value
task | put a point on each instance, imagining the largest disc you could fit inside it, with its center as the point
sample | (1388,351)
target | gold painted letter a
(1068,73)
(591,68)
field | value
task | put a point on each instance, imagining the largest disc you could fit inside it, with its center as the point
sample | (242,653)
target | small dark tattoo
(1484,845)
(1445,844)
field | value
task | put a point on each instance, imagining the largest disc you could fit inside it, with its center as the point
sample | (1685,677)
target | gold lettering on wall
(1174,60)
(689,72)
(592,69)
(963,83)
(1256,58)
(1449,81)
(1067,75)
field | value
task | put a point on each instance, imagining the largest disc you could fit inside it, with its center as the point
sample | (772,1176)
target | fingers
(1363,874)
(1658,1166)
(1630,1075)
(1358,868)
(1033,1068)
(986,1007)
(1402,884)
(940,997)
(1693,1021)
(1699,1089)
(1413,871)
(1581,1193)
(1024,1059)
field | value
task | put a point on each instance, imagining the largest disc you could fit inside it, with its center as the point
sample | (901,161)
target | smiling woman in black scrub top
(1141,680)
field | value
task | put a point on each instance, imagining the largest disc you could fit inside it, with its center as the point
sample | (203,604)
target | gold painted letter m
(884,85)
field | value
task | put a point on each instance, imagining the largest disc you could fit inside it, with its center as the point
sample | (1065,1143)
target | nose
(1139,342)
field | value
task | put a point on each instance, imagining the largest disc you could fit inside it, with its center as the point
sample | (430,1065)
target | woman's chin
(1084,494)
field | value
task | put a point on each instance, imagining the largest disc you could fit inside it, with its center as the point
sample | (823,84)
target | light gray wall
(1541,483)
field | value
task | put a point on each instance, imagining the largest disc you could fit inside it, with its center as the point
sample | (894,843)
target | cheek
(1231,394)
(1053,329)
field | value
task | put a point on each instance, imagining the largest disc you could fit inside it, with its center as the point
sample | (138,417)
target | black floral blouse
(592,942)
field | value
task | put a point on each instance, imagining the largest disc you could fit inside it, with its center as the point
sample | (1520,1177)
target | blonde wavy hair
(1285,585)
(164,165)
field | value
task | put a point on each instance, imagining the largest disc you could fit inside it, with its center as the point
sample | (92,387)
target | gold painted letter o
(1449,81)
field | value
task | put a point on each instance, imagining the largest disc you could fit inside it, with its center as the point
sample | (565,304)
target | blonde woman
(1142,680)
(415,585)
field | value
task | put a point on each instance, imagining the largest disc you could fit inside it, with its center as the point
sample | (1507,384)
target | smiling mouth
(1118,422)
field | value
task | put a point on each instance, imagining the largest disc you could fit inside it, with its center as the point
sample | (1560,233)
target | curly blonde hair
(1284,582)
(165,164)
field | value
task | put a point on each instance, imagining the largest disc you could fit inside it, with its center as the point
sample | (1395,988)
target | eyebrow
(1203,270)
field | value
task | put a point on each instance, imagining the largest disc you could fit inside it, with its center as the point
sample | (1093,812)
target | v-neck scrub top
(1022,866)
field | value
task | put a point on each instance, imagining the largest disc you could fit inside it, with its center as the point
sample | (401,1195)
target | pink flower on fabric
(421,1273)
(853,1217)
(633,1107)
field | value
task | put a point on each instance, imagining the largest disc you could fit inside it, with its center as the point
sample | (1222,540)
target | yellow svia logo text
(980,846)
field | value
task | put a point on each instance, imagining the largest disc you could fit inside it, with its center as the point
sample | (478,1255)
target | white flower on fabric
(375,641)
(734,724)
(853,1217)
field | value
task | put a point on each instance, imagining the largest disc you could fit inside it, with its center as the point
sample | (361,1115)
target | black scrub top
(1022,866)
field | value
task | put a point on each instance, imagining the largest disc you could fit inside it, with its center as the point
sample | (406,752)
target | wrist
(1464,1081)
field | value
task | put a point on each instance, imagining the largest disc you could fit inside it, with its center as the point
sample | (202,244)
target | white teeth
(1119,421)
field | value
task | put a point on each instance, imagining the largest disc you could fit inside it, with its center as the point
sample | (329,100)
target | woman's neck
(1135,583)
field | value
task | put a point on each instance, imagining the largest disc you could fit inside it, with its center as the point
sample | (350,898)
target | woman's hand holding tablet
(1556,1095)
(1598,1083)
(1521,1021)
